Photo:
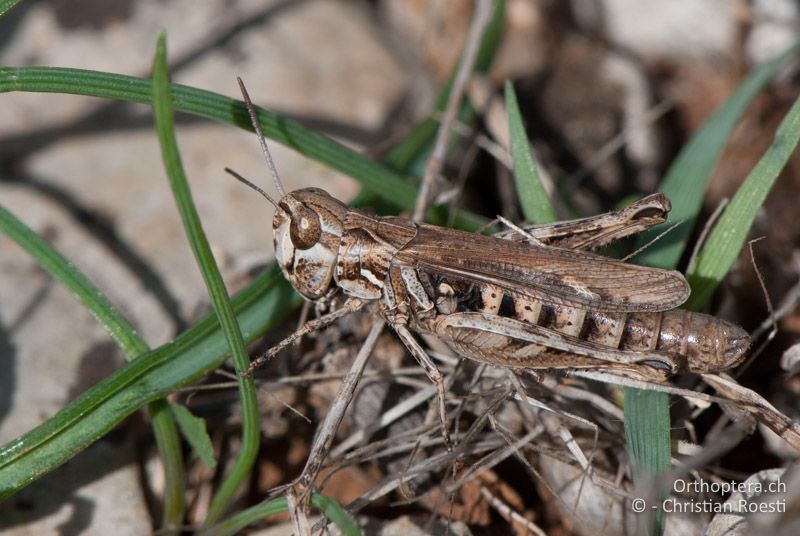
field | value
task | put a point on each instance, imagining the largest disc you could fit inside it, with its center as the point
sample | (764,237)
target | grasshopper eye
(305,229)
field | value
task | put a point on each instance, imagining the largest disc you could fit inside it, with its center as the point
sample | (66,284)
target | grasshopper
(531,298)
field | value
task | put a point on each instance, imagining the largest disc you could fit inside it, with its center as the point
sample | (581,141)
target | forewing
(549,274)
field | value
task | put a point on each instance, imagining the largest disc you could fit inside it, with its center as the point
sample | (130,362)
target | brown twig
(514,518)
(750,401)
(386,418)
(327,430)
(483,12)
(786,307)
(298,513)
(773,321)
(704,233)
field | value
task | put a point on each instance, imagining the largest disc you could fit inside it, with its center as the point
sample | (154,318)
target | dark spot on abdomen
(507,307)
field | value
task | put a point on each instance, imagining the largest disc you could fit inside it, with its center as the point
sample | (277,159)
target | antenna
(253,186)
(257,126)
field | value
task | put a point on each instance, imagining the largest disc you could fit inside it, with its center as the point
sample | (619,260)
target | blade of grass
(45,447)
(373,176)
(170,452)
(647,428)
(647,413)
(336,513)
(217,107)
(44,455)
(332,509)
(194,353)
(729,234)
(63,271)
(193,428)
(535,203)
(647,431)
(162,112)
(130,343)
(687,178)
(6,5)
(238,522)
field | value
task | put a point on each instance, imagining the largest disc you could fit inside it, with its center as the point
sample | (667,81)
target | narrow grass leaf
(334,511)
(727,238)
(162,111)
(63,271)
(373,176)
(193,428)
(241,520)
(648,428)
(330,507)
(532,196)
(193,354)
(6,5)
(647,431)
(687,178)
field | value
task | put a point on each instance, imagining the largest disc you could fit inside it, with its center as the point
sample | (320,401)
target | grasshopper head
(307,226)
(307,229)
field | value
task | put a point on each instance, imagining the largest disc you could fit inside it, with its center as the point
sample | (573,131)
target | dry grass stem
(433,169)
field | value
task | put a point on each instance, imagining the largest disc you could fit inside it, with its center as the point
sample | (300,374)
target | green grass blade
(162,111)
(63,271)
(170,450)
(238,522)
(6,5)
(332,509)
(727,238)
(647,430)
(373,176)
(687,178)
(647,424)
(535,203)
(193,428)
(126,338)
(647,427)
(376,178)
(194,353)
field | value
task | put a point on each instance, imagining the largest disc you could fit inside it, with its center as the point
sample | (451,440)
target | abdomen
(702,343)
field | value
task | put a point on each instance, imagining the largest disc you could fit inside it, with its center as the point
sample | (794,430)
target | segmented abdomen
(700,343)
(707,343)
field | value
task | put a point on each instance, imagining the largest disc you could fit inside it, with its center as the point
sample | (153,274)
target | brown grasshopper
(532,298)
